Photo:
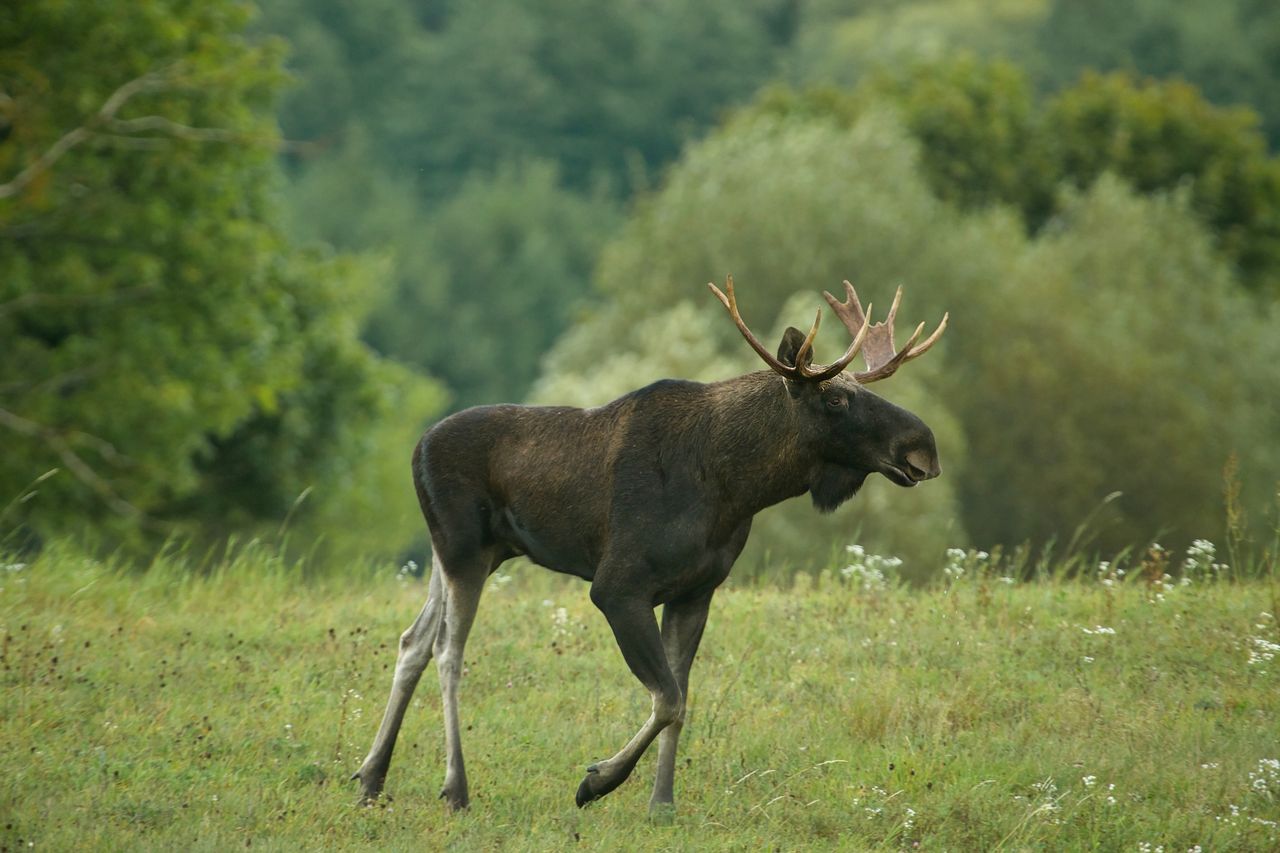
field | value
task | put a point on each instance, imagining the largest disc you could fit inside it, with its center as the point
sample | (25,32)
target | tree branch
(147,82)
(104,120)
(160,124)
(75,464)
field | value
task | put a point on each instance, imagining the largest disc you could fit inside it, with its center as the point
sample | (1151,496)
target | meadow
(222,703)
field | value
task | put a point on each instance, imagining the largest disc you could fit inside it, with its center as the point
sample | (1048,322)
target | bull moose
(650,499)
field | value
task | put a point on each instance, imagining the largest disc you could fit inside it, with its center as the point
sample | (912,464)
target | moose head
(851,431)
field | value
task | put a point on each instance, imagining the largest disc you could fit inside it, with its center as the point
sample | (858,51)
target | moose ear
(792,340)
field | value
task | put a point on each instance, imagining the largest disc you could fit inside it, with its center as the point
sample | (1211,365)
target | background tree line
(246,256)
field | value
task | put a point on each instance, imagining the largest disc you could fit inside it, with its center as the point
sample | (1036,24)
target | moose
(650,499)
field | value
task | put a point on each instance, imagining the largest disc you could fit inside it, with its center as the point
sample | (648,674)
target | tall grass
(219,700)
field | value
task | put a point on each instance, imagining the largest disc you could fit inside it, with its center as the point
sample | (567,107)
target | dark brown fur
(650,498)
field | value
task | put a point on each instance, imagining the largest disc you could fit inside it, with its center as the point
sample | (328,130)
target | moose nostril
(923,463)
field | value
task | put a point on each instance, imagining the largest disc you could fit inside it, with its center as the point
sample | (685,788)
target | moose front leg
(636,630)
(682,624)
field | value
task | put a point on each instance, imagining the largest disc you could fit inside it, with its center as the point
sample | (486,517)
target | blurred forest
(248,254)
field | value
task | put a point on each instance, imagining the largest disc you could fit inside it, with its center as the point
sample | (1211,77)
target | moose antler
(878,351)
(802,370)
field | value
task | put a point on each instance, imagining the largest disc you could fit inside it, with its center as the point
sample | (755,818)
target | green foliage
(1162,135)
(459,88)
(475,147)
(1126,360)
(985,140)
(979,130)
(159,331)
(1230,49)
(841,42)
(478,290)
(609,354)
(351,64)
(218,710)
(167,346)
(785,205)
(785,208)
(492,280)
(1111,352)
(330,465)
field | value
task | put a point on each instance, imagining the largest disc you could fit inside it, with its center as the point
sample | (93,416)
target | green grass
(168,710)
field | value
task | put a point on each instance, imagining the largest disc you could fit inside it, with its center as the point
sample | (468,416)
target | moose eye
(837,401)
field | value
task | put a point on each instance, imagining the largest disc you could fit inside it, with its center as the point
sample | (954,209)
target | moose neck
(758,455)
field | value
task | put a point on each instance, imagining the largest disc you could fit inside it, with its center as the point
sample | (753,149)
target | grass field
(226,709)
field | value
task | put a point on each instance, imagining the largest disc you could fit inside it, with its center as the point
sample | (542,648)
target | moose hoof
(455,801)
(596,784)
(585,794)
(370,788)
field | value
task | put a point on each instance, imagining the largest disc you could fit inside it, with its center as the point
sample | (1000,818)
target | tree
(452,89)
(1159,136)
(423,117)
(1127,360)
(790,209)
(1111,351)
(1229,49)
(153,314)
(986,140)
(477,290)
(842,42)
(980,130)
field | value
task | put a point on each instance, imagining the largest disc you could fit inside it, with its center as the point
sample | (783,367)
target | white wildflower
(870,571)
(1262,650)
(1265,778)
(1201,561)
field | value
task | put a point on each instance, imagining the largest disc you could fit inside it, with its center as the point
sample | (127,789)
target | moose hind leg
(636,631)
(414,655)
(463,595)
(682,625)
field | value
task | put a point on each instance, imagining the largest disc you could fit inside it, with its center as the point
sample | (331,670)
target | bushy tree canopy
(449,89)
(1229,49)
(159,333)
(986,140)
(790,209)
(477,290)
(1123,357)
(1161,136)
(196,341)
(1111,352)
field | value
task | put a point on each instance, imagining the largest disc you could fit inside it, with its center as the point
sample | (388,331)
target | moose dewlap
(650,499)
